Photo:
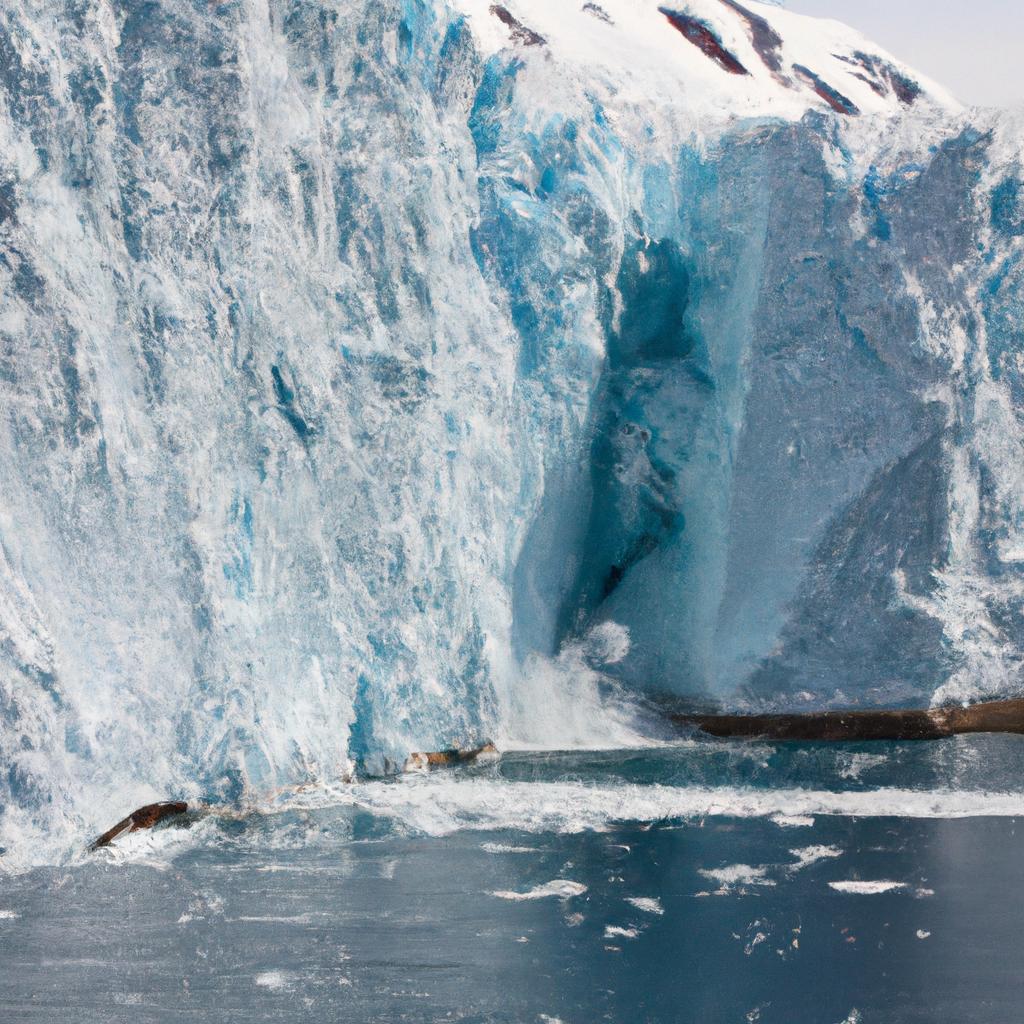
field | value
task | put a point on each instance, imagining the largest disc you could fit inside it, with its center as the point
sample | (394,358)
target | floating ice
(737,875)
(867,888)
(648,904)
(559,887)
(812,855)
(276,981)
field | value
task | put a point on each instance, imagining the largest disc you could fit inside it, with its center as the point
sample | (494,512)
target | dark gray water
(336,914)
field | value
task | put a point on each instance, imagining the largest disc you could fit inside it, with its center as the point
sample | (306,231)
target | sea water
(699,882)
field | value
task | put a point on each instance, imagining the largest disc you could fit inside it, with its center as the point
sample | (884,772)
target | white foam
(792,821)
(276,981)
(9,915)
(613,931)
(502,848)
(297,919)
(809,855)
(737,875)
(867,888)
(439,805)
(561,888)
(854,765)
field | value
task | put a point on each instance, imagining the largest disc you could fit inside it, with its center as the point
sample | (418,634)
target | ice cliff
(376,376)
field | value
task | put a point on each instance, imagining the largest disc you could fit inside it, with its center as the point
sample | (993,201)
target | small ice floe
(276,981)
(852,766)
(867,888)
(792,820)
(808,855)
(736,876)
(560,888)
(648,904)
(612,931)
(502,848)
(922,934)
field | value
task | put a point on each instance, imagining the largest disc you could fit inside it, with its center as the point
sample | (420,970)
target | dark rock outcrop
(704,39)
(833,97)
(765,40)
(597,11)
(882,76)
(517,30)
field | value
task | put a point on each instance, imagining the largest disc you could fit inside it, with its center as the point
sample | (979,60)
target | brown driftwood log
(933,724)
(419,762)
(144,817)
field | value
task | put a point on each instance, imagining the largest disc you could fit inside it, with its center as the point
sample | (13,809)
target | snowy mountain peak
(726,56)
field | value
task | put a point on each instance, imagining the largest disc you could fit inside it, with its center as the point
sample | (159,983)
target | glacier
(384,376)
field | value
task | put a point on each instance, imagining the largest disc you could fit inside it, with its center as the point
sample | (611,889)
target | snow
(637,59)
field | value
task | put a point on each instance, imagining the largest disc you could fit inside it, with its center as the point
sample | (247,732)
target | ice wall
(369,386)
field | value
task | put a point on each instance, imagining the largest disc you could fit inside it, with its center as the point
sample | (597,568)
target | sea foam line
(442,806)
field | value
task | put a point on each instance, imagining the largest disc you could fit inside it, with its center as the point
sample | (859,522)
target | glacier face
(377,377)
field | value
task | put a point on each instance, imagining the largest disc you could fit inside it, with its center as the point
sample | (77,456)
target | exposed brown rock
(517,30)
(597,11)
(833,97)
(1005,716)
(144,817)
(765,40)
(882,76)
(696,32)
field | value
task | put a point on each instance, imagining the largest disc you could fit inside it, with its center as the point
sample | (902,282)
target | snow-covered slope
(717,58)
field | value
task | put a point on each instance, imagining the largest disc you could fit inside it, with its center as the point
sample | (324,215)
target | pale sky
(972,47)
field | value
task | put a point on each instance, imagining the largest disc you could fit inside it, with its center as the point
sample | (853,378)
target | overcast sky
(972,47)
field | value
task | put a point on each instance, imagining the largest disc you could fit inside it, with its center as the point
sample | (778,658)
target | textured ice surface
(377,378)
